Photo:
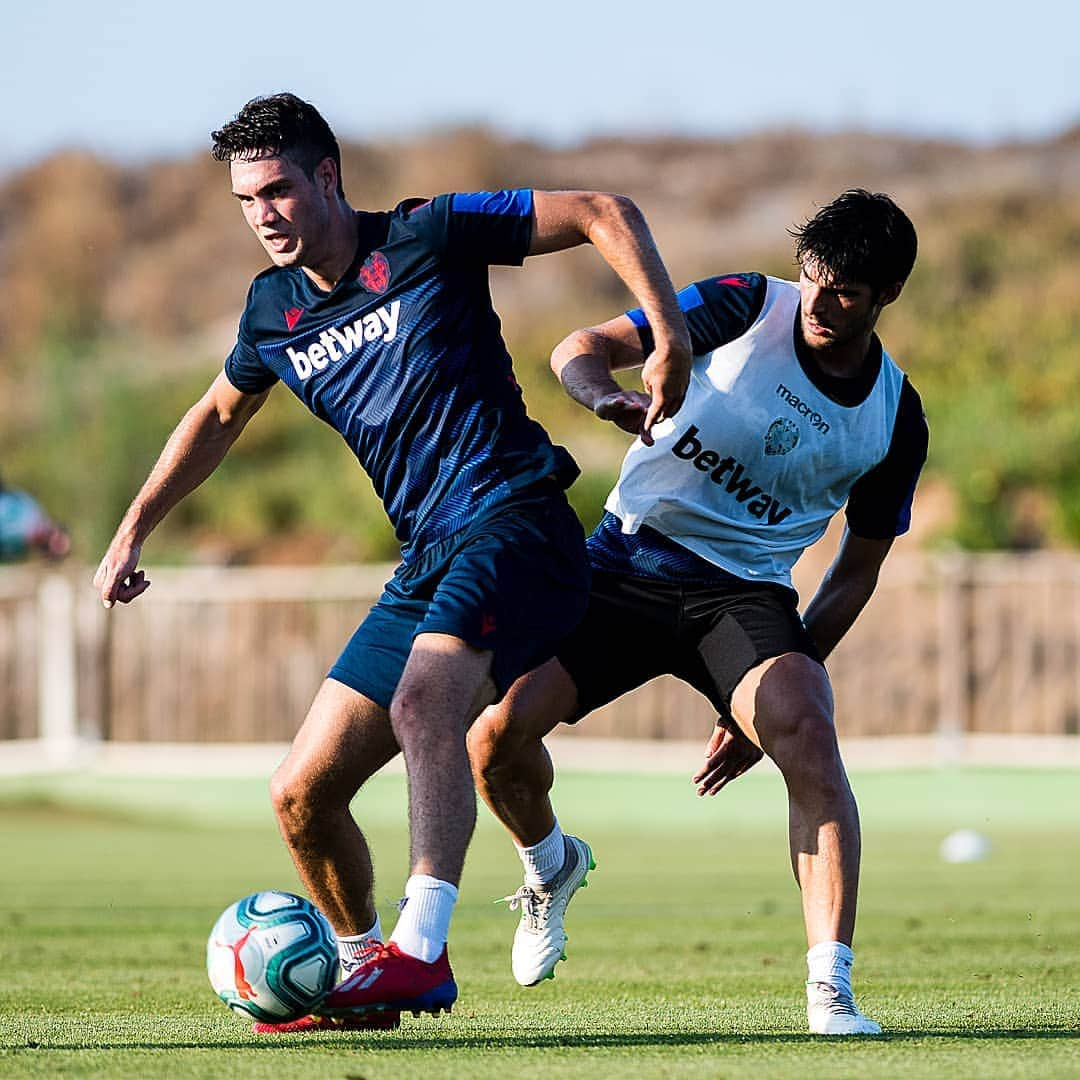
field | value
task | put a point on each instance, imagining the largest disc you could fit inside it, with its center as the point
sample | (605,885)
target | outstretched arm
(845,589)
(194,450)
(617,229)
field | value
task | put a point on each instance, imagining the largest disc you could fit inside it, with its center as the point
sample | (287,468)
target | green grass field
(686,952)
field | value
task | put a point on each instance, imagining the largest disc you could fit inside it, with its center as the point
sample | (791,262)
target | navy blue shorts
(515,584)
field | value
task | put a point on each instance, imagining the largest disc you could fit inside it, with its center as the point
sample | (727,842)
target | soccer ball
(272,956)
(965,845)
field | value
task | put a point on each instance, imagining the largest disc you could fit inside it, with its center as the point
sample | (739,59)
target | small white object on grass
(965,845)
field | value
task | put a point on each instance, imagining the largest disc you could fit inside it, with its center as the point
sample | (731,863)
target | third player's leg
(444,685)
(785,704)
(345,738)
(511,765)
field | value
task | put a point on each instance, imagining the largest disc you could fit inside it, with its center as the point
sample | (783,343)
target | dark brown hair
(282,125)
(859,237)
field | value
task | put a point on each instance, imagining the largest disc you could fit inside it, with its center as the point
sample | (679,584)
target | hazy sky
(151,79)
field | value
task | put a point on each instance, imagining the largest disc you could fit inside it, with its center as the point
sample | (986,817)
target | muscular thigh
(785,698)
(444,678)
(345,738)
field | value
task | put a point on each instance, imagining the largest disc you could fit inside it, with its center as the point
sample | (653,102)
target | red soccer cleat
(377,1021)
(396,982)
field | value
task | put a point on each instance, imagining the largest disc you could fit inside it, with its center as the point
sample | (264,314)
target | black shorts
(709,636)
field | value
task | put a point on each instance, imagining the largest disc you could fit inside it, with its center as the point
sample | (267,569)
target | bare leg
(344,740)
(785,706)
(511,765)
(444,685)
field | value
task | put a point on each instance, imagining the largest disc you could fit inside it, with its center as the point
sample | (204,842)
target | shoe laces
(838,1002)
(384,951)
(370,952)
(533,905)
(387,951)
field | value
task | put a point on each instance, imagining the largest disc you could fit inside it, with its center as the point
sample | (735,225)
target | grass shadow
(397,1041)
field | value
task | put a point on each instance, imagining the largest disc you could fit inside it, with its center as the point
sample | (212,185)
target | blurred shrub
(988,328)
(123,287)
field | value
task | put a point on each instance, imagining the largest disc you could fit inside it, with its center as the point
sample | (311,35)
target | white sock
(424,922)
(830,962)
(354,949)
(544,860)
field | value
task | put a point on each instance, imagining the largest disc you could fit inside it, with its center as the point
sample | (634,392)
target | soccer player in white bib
(794,411)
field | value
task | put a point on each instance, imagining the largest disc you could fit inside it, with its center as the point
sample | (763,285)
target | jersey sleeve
(480,227)
(879,505)
(717,310)
(243,366)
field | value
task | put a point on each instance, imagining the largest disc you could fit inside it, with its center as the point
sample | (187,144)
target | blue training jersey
(405,359)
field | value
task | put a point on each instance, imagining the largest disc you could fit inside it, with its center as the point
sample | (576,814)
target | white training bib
(758,459)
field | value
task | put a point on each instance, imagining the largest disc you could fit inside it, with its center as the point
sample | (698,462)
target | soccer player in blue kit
(382,324)
(794,409)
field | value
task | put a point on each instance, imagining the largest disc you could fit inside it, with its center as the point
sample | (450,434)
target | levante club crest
(375,273)
(782,437)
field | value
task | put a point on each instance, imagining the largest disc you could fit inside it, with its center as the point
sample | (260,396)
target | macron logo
(338,343)
(803,409)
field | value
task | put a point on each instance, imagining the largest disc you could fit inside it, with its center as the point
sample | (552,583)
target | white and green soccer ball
(272,956)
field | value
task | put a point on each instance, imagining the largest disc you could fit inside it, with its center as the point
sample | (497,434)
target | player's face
(832,312)
(287,210)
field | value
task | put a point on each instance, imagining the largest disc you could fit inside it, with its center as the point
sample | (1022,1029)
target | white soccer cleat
(830,1011)
(540,940)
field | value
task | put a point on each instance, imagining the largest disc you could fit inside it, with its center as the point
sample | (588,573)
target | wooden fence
(956,644)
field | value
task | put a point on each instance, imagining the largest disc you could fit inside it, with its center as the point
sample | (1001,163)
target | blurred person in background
(382,324)
(26,529)
(794,410)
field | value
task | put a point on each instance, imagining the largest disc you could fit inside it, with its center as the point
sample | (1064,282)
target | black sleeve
(717,310)
(879,505)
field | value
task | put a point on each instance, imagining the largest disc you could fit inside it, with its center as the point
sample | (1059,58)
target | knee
(802,743)
(491,742)
(294,803)
(416,716)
